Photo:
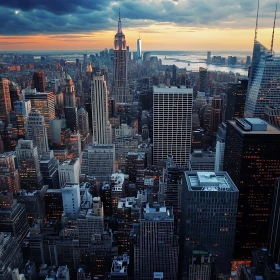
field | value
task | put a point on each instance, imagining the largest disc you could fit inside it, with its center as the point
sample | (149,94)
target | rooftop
(172,90)
(157,213)
(69,162)
(209,181)
(70,186)
(253,126)
(120,264)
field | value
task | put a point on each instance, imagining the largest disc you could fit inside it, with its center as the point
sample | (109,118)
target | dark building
(71,116)
(106,199)
(208,219)
(274,229)
(202,79)
(53,204)
(272,115)
(49,169)
(252,159)
(13,217)
(216,114)
(135,161)
(14,93)
(39,81)
(236,97)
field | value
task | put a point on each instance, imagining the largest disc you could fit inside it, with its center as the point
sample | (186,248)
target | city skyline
(188,25)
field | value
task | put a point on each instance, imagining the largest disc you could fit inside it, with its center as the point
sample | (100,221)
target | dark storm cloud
(27,17)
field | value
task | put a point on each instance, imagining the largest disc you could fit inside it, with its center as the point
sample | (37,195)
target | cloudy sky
(163,24)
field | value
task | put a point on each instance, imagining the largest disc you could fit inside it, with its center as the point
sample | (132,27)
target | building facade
(172,124)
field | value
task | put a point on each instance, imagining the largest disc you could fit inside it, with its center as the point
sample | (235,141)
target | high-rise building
(83,121)
(157,247)
(252,159)
(49,169)
(170,188)
(208,57)
(9,176)
(98,161)
(69,172)
(5,100)
(70,94)
(209,210)
(44,102)
(220,147)
(29,167)
(71,117)
(53,204)
(10,255)
(14,93)
(35,130)
(22,108)
(202,79)
(216,114)
(236,96)
(100,123)
(261,91)
(71,200)
(172,124)
(139,49)
(74,146)
(13,218)
(39,81)
(120,87)
(274,233)
(202,160)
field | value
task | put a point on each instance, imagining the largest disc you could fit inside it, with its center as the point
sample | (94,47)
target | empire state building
(120,88)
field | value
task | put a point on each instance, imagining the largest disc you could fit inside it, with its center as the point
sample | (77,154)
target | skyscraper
(157,247)
(236,96)
(29,167)
(120,88)
(70,94)
(44,102)
(22,109)
(39,81)
(139,49)
(71,200)
(274,232)
(36,131)
(5,100)
(252,159)
(83,121)
(99,100)
(172,124)
(264,80)
(208,219)
(202,79)
(14,93)
(216,114)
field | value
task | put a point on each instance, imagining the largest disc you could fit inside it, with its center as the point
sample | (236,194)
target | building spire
(257,21)
(120,22)
(272,39)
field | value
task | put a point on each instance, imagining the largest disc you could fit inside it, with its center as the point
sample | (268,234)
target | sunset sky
(162,24)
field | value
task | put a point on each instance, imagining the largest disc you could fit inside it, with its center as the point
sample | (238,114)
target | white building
(69,172)
(102,132)
(35,130)
(71,200)
(98,161)
(22,107)
(172,124)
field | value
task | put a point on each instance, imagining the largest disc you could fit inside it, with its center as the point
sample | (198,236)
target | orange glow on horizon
(155,37)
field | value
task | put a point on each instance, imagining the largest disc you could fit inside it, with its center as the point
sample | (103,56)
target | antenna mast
(257,20)
(272,39)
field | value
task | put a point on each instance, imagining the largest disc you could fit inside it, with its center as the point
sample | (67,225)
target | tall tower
(39,81)
(70,94)
(99,100)
(120,88)
(36,131)
(139,49)
(29,167)
(264,80)
(44,102)
(5,100)
(83,121)
(252,159)
(172,125)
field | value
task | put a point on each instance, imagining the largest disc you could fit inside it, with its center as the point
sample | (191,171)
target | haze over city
(162,24)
